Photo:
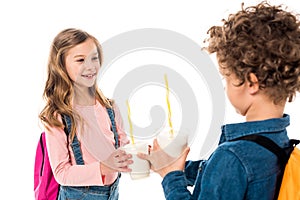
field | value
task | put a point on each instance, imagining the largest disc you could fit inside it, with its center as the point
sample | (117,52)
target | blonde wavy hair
(264,40)
(59,88)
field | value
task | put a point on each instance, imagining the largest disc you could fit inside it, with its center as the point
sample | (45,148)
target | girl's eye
(95,58)
(80,60)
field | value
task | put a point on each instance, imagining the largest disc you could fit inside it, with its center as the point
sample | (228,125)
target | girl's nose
(90,64)
(87,63)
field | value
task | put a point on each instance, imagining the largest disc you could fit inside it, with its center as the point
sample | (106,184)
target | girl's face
(83,64)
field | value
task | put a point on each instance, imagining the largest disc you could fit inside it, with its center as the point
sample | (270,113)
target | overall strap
(113,124)
(75,143)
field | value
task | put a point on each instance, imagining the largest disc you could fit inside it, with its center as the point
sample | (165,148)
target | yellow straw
(168,103)
(130,123)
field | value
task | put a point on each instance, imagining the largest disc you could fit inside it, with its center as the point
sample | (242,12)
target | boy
(258,51)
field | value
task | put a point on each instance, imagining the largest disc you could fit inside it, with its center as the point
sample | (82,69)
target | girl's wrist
(103,169)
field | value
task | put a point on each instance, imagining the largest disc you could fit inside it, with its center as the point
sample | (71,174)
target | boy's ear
(253,86)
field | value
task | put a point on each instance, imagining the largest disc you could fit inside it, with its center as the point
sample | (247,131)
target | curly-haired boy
(258,52)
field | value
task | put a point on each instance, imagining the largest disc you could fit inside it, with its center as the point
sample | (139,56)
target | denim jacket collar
(233,131)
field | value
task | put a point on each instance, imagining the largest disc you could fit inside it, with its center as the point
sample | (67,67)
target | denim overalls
(90,192)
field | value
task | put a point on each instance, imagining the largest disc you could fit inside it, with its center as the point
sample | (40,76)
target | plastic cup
(173,144)
(140,168)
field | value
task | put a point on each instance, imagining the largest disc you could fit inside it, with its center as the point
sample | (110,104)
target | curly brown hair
(264,40)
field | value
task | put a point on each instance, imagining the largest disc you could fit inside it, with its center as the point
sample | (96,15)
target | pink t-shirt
(96,143)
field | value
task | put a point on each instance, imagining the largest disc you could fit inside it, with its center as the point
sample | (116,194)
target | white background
(27,30)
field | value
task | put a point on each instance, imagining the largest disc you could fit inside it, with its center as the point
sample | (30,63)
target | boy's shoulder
(250,155)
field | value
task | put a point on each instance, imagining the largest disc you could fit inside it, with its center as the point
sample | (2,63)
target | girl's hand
(116,162)
(161,162)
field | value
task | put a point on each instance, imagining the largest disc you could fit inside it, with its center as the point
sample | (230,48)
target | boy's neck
(263,109)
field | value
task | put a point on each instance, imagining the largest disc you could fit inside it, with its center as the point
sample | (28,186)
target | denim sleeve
(224,177)
(175,186)
(175,183)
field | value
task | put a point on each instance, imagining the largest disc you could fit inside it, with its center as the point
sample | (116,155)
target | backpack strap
(283,155)
(42,141)
(294,142)
(267,143)
(113,125)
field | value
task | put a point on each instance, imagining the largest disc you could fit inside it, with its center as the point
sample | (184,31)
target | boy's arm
(191,171)
(175,186)
(175,183)
(223,177)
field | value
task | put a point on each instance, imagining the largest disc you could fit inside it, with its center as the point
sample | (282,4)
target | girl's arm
(64,172)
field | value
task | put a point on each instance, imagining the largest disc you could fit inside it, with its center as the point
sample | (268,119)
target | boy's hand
(161,162)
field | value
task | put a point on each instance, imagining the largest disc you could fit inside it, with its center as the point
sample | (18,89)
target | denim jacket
(236,169)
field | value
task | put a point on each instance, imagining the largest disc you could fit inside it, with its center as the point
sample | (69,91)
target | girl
(72,98)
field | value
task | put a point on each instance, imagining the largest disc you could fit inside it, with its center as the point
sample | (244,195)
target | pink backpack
(45,186)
